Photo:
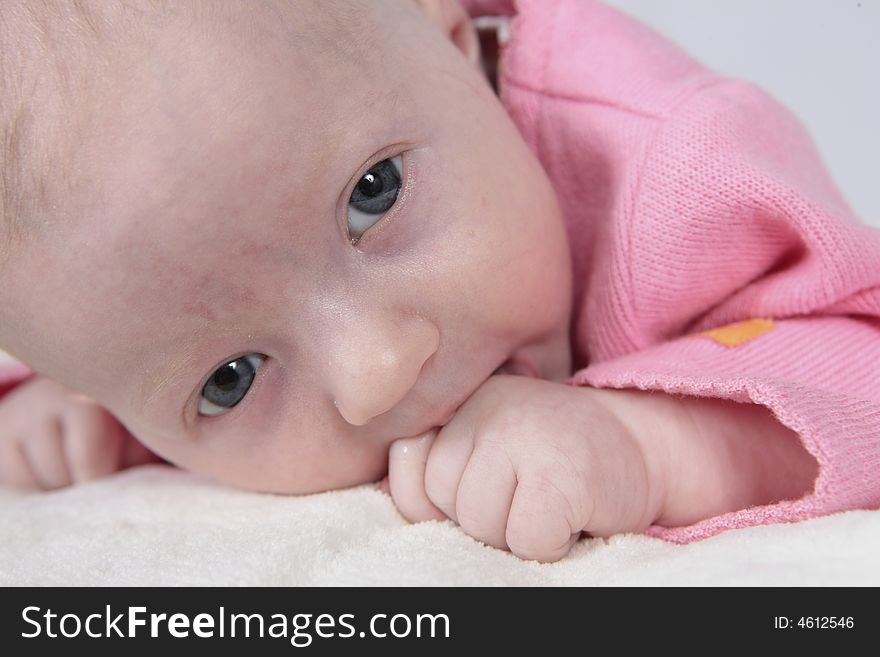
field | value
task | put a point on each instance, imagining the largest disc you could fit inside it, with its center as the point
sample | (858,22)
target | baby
(299,245)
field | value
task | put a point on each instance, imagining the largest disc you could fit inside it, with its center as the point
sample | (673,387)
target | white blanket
(156,525)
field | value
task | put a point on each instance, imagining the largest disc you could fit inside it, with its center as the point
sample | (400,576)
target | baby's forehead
(67,64)
(199,68)
(201,129)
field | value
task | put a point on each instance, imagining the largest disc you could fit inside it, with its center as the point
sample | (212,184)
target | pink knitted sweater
(692,203)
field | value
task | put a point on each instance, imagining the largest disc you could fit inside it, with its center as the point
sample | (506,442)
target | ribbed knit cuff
(815,375)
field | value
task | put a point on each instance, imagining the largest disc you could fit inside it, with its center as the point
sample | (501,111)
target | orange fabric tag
(734,335)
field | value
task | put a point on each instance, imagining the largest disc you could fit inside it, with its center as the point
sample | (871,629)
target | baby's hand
(526,465)
(51,437)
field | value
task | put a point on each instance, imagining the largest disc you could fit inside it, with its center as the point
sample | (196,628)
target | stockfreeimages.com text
(300,629)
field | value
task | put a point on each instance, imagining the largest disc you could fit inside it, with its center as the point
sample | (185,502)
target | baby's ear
(456,24)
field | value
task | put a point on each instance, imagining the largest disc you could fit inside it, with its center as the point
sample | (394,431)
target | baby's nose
(372,374)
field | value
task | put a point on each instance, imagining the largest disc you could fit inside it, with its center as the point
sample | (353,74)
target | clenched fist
(51,437)
(527,465)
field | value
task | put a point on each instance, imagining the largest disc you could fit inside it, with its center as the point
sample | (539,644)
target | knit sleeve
(737,271)
(811,372)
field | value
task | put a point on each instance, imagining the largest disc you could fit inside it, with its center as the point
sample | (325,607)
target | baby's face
(282,256)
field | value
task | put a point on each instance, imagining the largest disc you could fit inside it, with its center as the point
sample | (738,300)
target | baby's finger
(537,527)
(406,478)
(15,467)
(44,450)
(485,494)
(447,461)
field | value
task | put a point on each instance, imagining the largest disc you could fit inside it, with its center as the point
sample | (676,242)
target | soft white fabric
(156,525)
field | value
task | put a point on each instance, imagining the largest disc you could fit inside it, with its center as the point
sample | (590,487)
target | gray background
(818,57)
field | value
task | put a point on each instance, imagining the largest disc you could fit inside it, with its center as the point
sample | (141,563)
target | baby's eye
(374,194)
(229,384)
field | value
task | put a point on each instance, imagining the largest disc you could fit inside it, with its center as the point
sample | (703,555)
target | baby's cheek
(287,461)
(297,472)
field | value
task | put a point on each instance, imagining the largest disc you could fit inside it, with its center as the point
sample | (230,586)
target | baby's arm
(719,455)
(51,437)
(528,464)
